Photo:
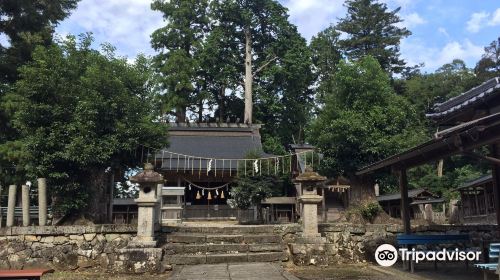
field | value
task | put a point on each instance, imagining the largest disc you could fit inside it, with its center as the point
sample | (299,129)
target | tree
(450,80)
(179,43)
(274,64)
(251,189)
(363,120)
(372,30)
(82,114)
(326,55)
(25,24)
(489,64)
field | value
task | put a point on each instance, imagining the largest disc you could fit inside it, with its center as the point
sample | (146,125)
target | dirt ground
(64,275)
(354,272)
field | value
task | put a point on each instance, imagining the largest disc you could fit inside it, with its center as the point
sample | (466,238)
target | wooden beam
(492,160)
(405,202)
(495,172)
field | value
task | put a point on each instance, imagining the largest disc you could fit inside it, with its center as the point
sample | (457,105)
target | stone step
(193,238)
(226,229)
(179,259)
(197,249)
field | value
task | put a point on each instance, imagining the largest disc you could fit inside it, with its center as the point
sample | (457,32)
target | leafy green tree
(179,44)
(82,114)
(363,120)
(372,30)
(448,81)
(25,24)
(489,64)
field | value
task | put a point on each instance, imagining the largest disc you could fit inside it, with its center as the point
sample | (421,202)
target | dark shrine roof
(466,136)
(470,98)
(476,182)
(209,140)
(395,196)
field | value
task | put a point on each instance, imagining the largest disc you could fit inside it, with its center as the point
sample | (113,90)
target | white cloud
(443,31)
(312,16)
(495,19)
(414,19)
(477,21)
(411,20)
(416,51)
(127,24)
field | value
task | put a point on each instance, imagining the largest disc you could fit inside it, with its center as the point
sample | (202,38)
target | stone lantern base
(310,214)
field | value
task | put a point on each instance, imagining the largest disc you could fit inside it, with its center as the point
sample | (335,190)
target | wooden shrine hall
(467,122)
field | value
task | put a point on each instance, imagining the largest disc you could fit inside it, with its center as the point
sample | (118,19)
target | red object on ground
(24,274)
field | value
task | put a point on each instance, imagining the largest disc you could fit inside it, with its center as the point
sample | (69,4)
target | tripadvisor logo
(387,255)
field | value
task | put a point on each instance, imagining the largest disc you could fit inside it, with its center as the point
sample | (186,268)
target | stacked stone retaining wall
(103,247)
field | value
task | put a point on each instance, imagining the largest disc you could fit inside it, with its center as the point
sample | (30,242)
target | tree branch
(264,65)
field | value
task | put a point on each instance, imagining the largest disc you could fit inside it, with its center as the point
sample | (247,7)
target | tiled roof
(220,141)
(411,194)
(467,99)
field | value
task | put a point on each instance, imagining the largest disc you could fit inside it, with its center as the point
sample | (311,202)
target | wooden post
(495,172)
(405,205)
(486,210)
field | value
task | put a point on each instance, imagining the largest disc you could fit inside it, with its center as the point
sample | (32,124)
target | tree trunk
(361,190)
(221,103)
(180,114)
(200,111)
(248,76)
(97,183)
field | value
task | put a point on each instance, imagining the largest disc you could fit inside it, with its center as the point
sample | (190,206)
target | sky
(442,30)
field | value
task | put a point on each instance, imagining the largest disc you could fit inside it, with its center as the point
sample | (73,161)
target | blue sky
(442,29)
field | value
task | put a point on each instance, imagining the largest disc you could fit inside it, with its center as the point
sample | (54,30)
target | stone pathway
(240,271)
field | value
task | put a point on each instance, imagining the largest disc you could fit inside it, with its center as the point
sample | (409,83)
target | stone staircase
(188,245)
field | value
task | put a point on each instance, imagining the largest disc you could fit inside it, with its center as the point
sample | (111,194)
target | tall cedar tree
(26,24)
(372,30)
(326,55)
(179,45)
(82,114)
(274,64)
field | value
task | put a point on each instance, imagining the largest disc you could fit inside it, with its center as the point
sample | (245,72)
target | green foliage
(489,65)
(179,43)
(372,30)
(25,24)
(370,210)
(363,120)
(80,111)
(251,190)
(326,55)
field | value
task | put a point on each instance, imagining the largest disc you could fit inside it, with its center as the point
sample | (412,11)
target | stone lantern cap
(147,176)
(309,176)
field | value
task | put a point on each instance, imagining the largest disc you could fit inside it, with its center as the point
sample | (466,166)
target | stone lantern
(309,181)
(147,205)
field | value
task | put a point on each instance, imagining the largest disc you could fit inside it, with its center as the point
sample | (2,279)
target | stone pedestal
(11,205)
(25,202)
(309,200)
(147,207)
(42,201)
(310,214)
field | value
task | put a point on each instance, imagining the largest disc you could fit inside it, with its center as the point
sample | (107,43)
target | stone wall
(104,248)
(96,248)
(347,243)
